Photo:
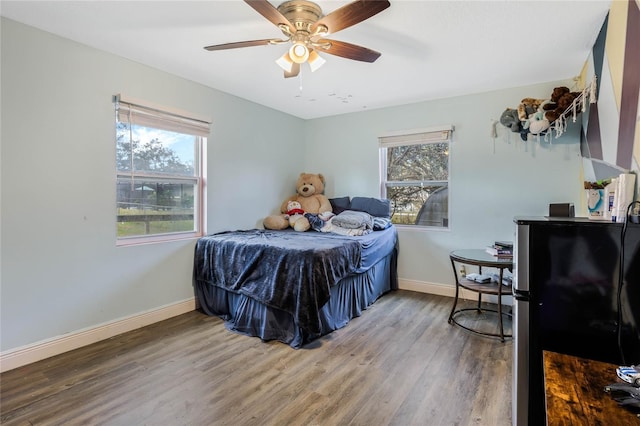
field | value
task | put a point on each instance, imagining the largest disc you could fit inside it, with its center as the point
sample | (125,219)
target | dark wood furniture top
(481,259)
(575,395)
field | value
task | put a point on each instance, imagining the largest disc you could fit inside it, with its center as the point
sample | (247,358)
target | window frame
(179,122)
(421,136)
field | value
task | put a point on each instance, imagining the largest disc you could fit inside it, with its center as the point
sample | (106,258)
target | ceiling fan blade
(347,50)
(295,70)
(266,9)
(239,44)
(350,14)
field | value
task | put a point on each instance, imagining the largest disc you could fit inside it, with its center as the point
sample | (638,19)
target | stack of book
(501,249)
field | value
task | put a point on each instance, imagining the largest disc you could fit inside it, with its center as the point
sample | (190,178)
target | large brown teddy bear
(309,189)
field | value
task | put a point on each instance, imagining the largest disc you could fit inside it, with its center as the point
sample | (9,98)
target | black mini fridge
(569,297)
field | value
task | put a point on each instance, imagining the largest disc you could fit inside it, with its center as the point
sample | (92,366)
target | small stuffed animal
(561,99)
(509,119)
(294,214)
(537,123)
(555,95)
(527,107)
(309,189)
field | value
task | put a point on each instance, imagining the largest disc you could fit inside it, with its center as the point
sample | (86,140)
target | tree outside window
(159,176)
(415,177)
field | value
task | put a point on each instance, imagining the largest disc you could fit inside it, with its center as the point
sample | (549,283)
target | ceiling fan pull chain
(300,78)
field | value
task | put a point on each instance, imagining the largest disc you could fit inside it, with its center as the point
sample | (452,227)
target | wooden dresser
(574,390)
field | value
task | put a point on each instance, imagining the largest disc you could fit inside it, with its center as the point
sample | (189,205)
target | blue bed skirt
(352,295)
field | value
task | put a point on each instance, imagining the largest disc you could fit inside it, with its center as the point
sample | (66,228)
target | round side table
(480,258)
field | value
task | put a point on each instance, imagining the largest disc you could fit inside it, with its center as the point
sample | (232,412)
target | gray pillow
(374,206)
(340,204)
(350,219)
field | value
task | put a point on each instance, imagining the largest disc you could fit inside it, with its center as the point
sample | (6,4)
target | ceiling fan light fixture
(285,62)
(315,60)
(299,53)
(304,25)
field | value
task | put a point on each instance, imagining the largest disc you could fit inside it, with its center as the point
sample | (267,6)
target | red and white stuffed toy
(294,214)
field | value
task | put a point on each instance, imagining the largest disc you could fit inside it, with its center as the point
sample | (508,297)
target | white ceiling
(430,49)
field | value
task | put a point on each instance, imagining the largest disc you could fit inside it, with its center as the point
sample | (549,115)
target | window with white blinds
(159,172)
(414,170)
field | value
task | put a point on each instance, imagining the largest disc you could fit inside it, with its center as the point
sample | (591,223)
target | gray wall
(61,271)
(491,181)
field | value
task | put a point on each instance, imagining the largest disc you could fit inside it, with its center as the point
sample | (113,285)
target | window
(415,176)
(159,168)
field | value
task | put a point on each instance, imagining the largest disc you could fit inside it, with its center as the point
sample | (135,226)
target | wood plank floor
(400,363)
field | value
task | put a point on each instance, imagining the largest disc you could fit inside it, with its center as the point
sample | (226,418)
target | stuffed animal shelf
(310,198)
(538,116)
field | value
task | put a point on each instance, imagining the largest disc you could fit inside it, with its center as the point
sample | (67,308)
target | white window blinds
(136,113)
(414,137)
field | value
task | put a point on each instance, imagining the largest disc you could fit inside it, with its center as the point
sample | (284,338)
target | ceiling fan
(304,26)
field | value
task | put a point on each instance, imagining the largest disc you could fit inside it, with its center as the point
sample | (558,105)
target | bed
(295,287)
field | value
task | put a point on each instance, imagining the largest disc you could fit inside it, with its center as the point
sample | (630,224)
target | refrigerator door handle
(521,295)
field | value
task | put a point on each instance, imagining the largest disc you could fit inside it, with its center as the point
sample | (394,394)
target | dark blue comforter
(288,270)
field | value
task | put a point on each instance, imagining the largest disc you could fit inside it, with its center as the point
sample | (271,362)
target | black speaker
(561,210)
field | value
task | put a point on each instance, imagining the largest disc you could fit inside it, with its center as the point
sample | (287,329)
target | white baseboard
(24,355)
(446,290)
(432,288)
(27,354)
